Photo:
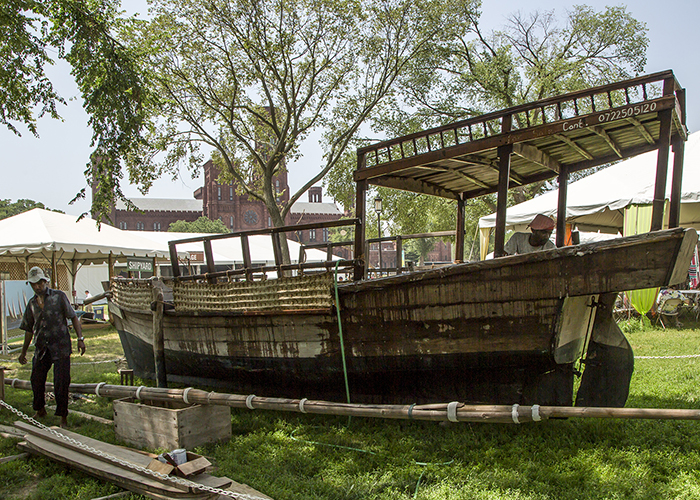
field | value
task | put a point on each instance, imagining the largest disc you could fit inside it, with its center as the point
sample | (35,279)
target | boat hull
(501,331)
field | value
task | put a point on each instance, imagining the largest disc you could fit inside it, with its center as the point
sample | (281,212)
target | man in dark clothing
(47,316)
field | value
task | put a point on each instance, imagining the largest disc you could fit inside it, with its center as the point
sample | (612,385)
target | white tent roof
(229,251)
(597,201)
(42,232)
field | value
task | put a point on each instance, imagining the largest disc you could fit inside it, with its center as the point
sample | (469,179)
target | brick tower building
(238,212)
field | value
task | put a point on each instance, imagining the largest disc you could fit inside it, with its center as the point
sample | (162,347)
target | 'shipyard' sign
(139,264)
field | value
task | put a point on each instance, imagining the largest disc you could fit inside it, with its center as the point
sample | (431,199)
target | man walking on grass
(47,316)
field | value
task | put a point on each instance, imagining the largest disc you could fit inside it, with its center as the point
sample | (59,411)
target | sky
(50,169)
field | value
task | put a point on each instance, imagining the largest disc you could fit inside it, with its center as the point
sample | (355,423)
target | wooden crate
(170,425)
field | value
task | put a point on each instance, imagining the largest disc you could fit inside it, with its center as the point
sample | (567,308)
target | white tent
(42,237)
(602,201)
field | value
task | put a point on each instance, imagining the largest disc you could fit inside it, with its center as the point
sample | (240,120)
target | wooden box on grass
(170,425)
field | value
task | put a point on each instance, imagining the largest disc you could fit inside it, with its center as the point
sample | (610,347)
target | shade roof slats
(577,130)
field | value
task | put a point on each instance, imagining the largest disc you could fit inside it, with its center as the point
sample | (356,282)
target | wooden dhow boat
(502,331)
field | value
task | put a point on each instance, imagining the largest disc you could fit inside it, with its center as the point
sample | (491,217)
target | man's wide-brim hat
(36,274)
(542,223)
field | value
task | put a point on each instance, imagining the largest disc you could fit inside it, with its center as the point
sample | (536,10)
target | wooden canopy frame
(530,143)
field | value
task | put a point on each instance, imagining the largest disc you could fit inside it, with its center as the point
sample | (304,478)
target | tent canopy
(597,202)
(52,234)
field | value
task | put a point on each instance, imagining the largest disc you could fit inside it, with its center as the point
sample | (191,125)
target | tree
(114,92)
(531,58)
(201,225)
(251,79)
(8,208)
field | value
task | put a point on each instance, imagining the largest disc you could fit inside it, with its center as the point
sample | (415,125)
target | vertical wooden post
(2,383)
(674,216)
(459,234)
(277,251)
(399,254)
(657,213)
(209,259)
(674,210)
(174,263)
(245,248)
(158,339)
(155,267)
(561,205)
(664,142)
(360,267)
(504,153)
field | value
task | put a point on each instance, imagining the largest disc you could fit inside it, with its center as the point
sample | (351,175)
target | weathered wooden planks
(92,462)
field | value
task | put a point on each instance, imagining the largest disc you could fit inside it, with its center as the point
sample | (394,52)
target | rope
(669,357)
(340,331)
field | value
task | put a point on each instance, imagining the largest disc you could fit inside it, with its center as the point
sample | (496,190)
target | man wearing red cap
(538,239)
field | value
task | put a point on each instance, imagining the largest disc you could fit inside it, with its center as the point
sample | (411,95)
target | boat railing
(379,270)
(630,94)
(253,271)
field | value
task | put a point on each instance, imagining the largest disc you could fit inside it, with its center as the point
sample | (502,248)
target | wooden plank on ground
(12,458)
(124,478)
(87,416)
(10,432)
(132,456)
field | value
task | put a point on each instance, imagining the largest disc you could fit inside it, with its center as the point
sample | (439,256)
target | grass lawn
(294,457)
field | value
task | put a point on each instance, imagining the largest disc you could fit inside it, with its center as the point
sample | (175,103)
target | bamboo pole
(452,412)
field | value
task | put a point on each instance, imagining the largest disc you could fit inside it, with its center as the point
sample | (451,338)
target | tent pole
(54,278)
(110,267)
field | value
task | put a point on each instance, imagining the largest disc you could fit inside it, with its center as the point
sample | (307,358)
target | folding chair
(668,306)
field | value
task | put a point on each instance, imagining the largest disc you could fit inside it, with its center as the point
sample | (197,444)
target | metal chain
(124,463)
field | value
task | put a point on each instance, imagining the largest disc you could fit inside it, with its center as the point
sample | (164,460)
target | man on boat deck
(538,239)
(47,316)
